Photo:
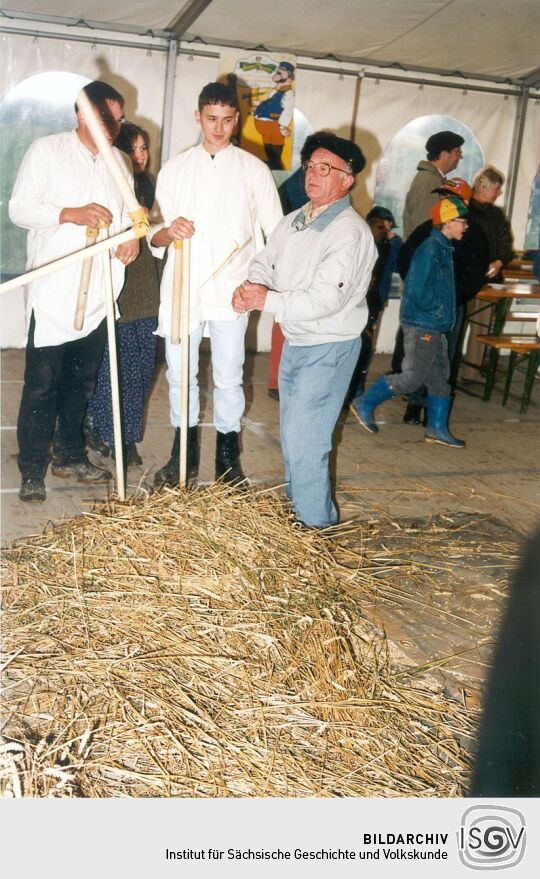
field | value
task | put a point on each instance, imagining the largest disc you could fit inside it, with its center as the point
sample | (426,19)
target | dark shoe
(437,430)
(83,471)
(169,474)
(274,393)
(132,457)
(363,407)
(93,439)
(32,489)
(413,413)
(228,467)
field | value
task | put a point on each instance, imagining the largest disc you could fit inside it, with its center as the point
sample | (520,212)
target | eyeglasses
(322,169)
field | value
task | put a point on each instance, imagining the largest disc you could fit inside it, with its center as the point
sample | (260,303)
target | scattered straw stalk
(197,644)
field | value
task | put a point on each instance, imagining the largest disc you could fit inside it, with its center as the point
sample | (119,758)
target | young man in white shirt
(223,199)
(62,188)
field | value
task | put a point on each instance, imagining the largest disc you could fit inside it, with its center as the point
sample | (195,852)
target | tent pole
(356,104)
(168,102)
(515,153)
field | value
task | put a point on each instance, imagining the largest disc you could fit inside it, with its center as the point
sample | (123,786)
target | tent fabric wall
(325,98)
(529,166)
(137,75)
(192,73)
(483,37)
(386,106)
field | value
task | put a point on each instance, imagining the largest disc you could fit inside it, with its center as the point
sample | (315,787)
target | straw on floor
(198,644)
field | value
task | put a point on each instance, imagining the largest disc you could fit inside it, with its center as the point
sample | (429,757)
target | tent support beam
(196,8)
(91,24)
(81,38)
(533,79)
(415,80)
(187,16)
(362,62)
(515,152)
(341,71)
(168,102)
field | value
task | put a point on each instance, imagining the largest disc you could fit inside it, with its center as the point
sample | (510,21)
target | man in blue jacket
(428,312)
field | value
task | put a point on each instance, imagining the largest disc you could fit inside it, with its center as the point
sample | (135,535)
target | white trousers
(227,342)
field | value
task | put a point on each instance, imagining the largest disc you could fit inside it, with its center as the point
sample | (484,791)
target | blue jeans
(313,381)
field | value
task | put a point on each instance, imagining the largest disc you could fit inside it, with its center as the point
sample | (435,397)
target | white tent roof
(482,38)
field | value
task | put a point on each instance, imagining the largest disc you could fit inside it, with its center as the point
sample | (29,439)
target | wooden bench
(522,349)
(522,316)
(518,268)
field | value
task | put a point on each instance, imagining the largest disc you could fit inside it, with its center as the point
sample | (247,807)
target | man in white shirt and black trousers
(62,188)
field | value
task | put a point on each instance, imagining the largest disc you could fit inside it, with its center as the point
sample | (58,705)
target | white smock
(57,172)
(232,200)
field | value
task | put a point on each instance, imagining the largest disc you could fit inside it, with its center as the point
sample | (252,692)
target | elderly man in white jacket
(224,199)
(62,187)
(313,276)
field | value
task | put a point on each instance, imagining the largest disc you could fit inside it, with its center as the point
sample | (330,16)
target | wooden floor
(452,521)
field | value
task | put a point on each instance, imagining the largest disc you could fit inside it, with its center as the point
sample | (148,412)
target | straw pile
(197,644)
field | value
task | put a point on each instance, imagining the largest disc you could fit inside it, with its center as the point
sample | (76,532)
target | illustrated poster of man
(265,89)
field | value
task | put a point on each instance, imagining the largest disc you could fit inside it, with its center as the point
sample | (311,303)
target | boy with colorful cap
(428,312)
(471,259)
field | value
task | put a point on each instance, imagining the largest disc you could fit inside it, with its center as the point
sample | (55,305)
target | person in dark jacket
(428,312)
(483,211)
(377,222)
(495,225)
(395,243)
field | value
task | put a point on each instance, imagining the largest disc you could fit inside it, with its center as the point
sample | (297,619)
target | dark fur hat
(442,141)
(340,146)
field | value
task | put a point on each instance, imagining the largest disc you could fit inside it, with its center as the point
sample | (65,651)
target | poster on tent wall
(264,85)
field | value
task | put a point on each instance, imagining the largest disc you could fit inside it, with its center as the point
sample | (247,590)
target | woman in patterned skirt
(138,304)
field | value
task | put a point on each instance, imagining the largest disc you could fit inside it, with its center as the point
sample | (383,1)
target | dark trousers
(455,344)
(425,363)
(359,376)
(58,382)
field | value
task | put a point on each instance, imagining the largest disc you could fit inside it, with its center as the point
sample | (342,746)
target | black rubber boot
(93,439)
(83,471)
(228,467)
(169,474)
(32,489)
(131,455)
(415,414)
